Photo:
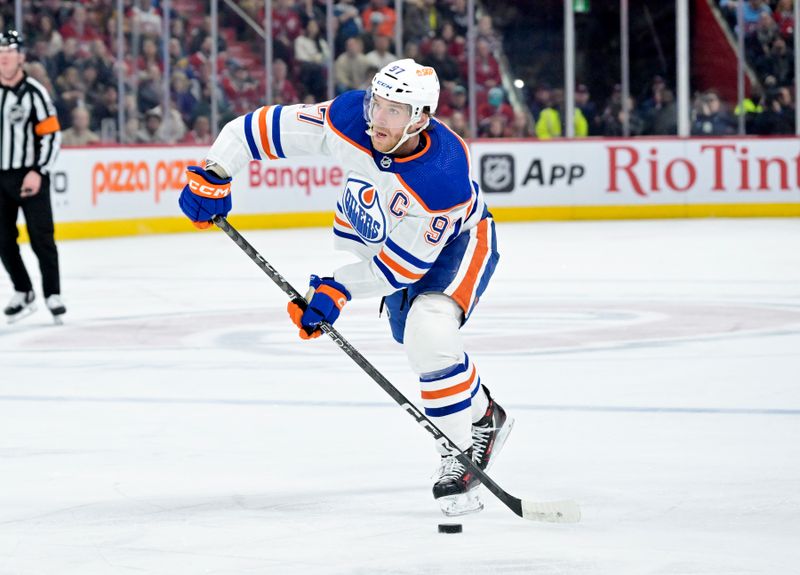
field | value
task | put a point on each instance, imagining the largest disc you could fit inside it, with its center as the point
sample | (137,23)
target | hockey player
(424,238)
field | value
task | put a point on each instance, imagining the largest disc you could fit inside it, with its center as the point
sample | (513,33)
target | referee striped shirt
(30,135)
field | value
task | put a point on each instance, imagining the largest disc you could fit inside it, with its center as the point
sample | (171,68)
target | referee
(30,139)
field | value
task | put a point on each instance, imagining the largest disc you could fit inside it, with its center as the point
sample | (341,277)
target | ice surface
(177,425)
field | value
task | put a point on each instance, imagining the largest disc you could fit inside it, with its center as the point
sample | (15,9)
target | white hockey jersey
(396,214)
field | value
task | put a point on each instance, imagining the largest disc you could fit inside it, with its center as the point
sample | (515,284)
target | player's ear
(424,118)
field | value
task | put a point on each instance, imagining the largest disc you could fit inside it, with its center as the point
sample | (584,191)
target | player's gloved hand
(329,297)
(205,196)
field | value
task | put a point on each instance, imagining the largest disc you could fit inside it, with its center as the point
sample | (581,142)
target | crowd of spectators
(72,48)
(769,38)
(770,109)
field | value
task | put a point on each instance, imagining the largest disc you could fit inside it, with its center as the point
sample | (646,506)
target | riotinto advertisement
(640,172)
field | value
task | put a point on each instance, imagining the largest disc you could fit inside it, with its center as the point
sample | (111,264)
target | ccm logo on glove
(199,186)
(204,196)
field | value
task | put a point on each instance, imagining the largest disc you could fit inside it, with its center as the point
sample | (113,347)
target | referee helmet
(11,40)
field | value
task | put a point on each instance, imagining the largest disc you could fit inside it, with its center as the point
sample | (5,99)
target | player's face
(10,62)
(389,120)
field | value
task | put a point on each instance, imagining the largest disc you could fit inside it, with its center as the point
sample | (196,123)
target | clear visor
(383,113)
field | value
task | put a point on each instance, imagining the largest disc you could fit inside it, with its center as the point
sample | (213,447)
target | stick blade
(566,511)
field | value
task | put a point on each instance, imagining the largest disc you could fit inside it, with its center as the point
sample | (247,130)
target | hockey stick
(566,511)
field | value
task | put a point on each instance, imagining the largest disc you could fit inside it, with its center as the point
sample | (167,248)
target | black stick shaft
(509,500)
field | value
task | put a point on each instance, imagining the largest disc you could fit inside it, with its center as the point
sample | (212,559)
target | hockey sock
(447,398)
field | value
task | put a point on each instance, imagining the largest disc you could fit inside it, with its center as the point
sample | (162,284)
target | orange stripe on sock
(397,267)
(463,293)
(448,391)
(262,130)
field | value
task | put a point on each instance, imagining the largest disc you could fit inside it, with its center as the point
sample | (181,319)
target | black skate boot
(56,306)
(456,488)
(21,305)
(489,433)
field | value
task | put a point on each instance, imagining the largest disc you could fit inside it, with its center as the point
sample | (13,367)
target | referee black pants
(39,219)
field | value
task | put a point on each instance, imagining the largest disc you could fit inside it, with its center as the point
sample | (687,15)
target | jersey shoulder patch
(346,118)
(442,182)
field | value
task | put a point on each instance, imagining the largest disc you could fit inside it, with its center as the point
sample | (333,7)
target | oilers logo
(363,210)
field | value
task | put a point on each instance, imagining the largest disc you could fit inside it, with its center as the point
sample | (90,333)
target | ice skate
(456,489)
(489,434)
(56,307)
(21,306)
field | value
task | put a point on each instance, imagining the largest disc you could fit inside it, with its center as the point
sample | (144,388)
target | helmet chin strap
(404,138)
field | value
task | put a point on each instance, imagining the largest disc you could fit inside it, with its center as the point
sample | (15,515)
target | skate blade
(500,441)
(57,320)
(25,312)
(461,504)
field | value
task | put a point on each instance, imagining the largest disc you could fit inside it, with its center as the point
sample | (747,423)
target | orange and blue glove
(205,196)
(329,297)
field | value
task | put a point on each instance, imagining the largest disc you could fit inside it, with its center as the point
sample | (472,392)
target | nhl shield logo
(16,114)
(386,162)
(497,173)
(363,209)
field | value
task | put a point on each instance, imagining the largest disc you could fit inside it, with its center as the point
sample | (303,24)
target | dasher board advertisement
(128,190)
(640,173)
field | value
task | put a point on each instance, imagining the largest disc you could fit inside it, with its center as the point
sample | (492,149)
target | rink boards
(113,191)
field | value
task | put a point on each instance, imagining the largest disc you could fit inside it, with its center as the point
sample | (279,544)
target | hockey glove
(205,196)
(329,297)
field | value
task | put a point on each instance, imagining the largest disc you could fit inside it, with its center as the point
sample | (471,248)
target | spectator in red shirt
(455,43)
(379,19)
(784,16)
(283,92)
(496,105)
(202,57)
(487,70)
(240,89)
(79,27)
(150,56)
(286,23)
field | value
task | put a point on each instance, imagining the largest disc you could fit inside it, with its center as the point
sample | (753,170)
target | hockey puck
(450,528)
